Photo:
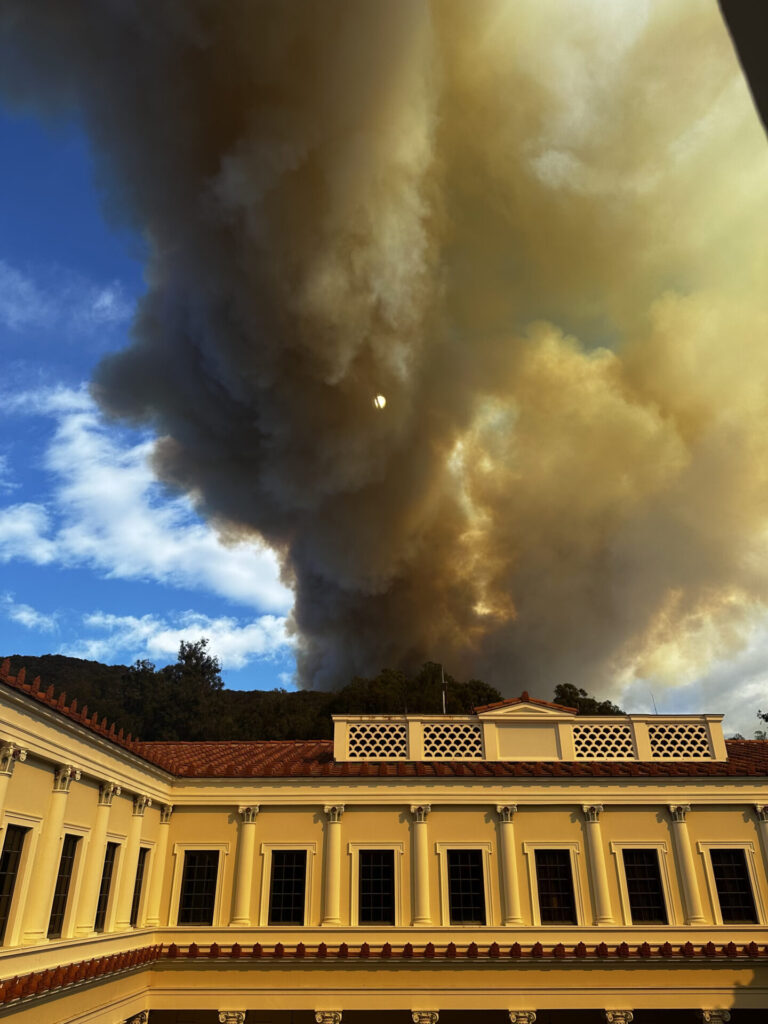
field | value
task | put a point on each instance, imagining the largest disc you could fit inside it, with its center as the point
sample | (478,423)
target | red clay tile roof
(307,758)
(525,699)
(275,759)
(48,696)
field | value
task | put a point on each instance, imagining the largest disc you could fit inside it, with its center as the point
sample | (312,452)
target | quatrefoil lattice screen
(378,739)
(679,741)
(606,742)
(454,741)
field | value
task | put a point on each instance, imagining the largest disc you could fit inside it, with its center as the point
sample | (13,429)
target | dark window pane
(104,888)
(9,870)
(646,896)
(466,892)
(63,880)
(138,885)
(377,886)
(555,885)
(198,887)
(288,887)
(734,891)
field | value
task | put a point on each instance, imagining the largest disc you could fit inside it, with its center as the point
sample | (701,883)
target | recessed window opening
(737,904)
(554,880)
(376,871)
(63,882)
(9,871)
(288,887)
(644,888)
(138,885)
(466,887)
(105,886)
(198,887)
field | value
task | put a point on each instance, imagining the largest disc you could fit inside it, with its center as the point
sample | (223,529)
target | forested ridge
(188,700)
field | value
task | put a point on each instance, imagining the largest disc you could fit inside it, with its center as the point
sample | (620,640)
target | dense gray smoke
(537,228)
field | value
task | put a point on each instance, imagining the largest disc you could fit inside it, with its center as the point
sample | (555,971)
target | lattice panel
(382,740)
(679,742)
(453,741)
(603,742)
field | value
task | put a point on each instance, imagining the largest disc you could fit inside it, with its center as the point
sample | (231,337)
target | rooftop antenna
(655,709)
(442,680)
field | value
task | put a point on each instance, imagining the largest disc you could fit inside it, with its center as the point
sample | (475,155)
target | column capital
(166,810)
(138,1018)
(425,1016)
(63,777)
(592,812)
(328,1016)
(107,792)
(231,1016)
(249,813)
(619,1016)
(334,812)
(679,812)
(522,1016)
(715,1016)
(10,753)
(762,811)
(420,812)
(140,804)
(506,812)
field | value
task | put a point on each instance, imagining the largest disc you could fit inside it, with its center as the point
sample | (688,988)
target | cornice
(55,752)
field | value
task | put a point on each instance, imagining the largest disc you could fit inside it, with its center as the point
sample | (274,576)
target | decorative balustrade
(499,735)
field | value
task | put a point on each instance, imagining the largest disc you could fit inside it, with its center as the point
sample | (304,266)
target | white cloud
(108,513)
(7,483)
(128,637)
(59,298)
(26,615)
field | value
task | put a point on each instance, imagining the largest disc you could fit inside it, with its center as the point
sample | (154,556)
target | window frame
(113,885)
(353,850)
(179,850)
(266,850)
(574,848)
(662,852)
(487,851)
(749,859)
(139,905)
(24,837)
(71,898)
(34,823)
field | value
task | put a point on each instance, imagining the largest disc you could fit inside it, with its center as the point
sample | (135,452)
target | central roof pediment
(524,706)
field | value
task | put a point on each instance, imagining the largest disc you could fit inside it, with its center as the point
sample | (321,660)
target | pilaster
(510,882)
(129,862)
(94,860)
(422,913)
(598,870)
(246,844)
(691,896)
(332,903)
(158,867)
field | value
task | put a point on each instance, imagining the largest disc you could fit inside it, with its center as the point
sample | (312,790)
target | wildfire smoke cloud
(538,229)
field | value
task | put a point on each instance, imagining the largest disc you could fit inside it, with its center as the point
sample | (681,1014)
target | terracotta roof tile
(304,758)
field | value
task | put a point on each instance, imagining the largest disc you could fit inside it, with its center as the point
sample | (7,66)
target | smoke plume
(537,228)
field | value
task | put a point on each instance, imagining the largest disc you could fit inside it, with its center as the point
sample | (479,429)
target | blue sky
(98,560)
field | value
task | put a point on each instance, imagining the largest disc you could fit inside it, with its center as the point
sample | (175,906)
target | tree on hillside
(574,697)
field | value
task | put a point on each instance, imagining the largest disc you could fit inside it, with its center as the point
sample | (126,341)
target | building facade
(524,863)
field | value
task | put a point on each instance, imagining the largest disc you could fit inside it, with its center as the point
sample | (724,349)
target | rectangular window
(198,887)
(137,885)
(288,887)
(554,881)
(377,887)
(737,904)
(9,870)
(104,889)
(466,889)
(63,881)
(646,895)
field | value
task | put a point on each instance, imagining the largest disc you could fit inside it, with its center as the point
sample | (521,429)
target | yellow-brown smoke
(537,228)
